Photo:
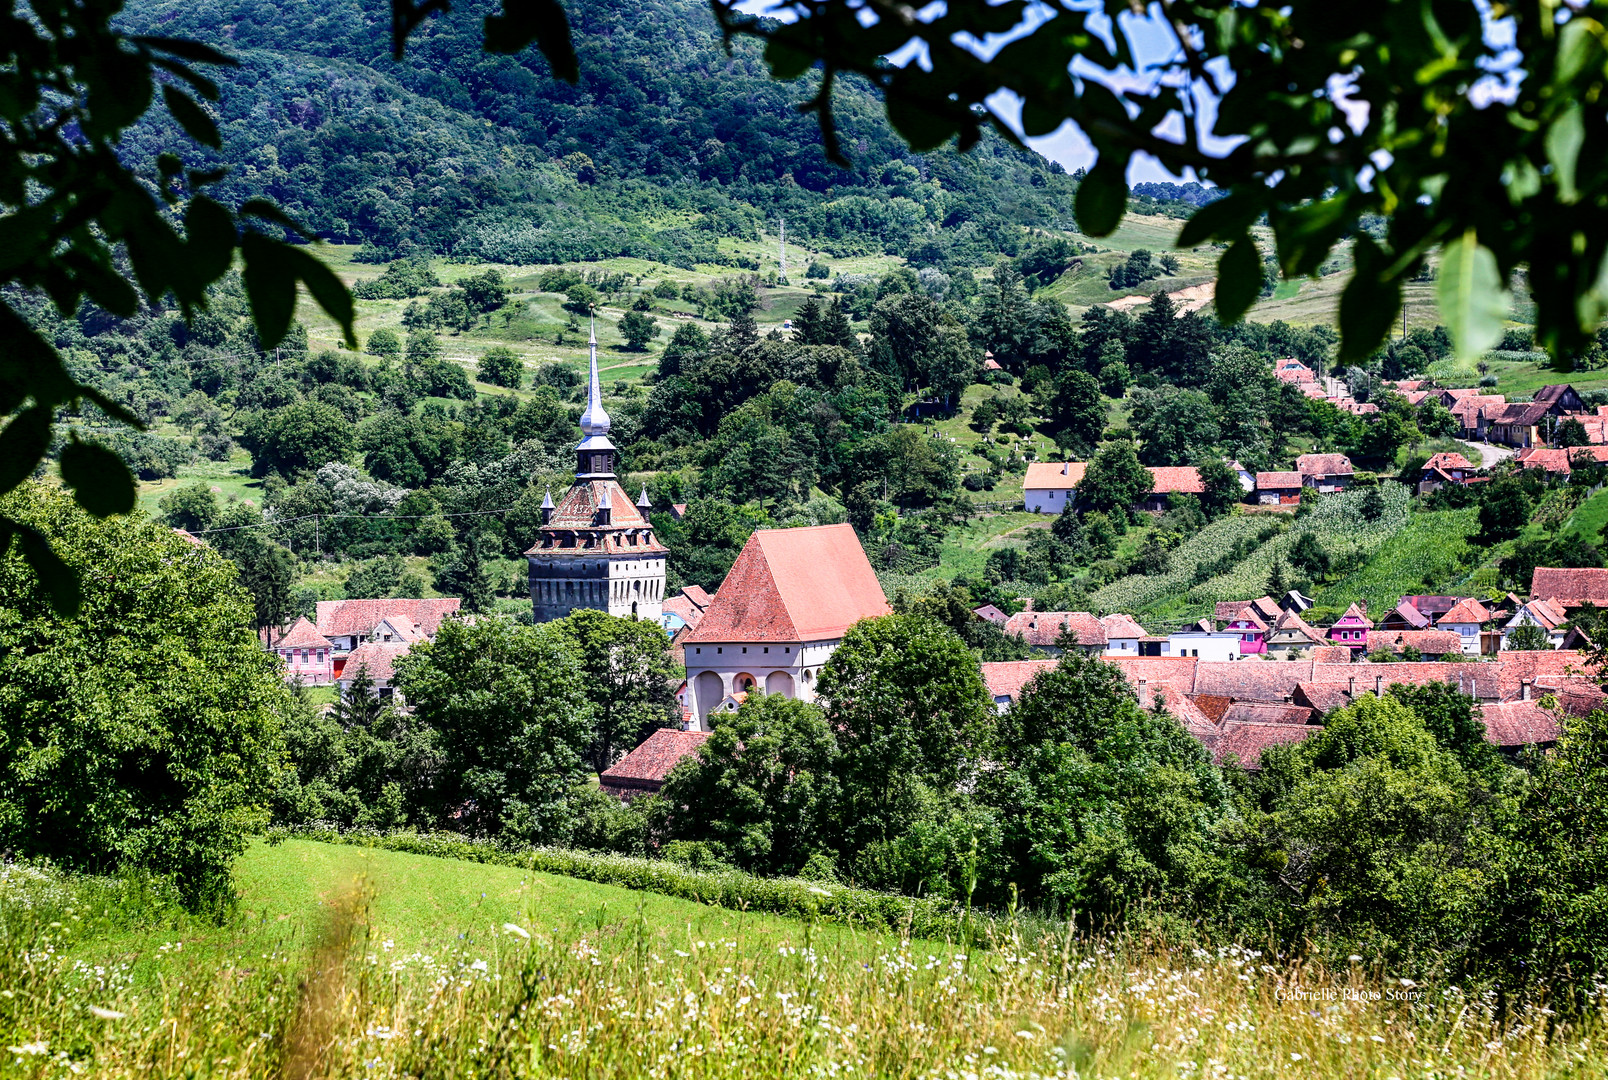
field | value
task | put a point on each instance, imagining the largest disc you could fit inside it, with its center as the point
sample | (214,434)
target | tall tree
(1114,482)
(1078,412)
(630,674)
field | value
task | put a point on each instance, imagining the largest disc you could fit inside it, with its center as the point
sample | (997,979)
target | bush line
(735,890)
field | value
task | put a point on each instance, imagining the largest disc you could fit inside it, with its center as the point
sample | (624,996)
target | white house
(1465,620)
(1050,486)
(1247,478)
(349,623)
(1203,641)
(778,616)
(1122,634)
(1547,614)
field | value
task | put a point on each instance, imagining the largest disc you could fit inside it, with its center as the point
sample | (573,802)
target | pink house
(1252,631)
(1351,629)
(308,655)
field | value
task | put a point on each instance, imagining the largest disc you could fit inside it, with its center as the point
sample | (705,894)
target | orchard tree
(630,675)
(762,788)
(501,366)
(1114,482)
(297,439)
(142,733)
(638,329)
(907,701)
(512,722)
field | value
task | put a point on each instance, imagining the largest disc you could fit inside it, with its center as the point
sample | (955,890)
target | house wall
(1048,500)
(1468,632)
(1122,647)
(312,666)
(1213,647)
(716,670)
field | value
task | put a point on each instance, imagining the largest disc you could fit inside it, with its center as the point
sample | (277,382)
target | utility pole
(781,224)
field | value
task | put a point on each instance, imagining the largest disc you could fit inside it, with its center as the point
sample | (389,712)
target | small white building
(1465,620)
(1547,614)
(1051,486)
(1122,633)
(1203,641)
(779,615)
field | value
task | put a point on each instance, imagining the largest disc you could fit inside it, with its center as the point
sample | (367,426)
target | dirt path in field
(1191,299)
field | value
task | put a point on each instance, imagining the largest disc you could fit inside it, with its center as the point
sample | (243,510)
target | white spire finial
(642,499)
(547,500)
(594,421)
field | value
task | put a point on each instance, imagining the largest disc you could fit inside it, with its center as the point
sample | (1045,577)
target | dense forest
(665,145)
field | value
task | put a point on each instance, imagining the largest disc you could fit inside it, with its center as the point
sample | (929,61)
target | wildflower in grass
(519,931)
(106,1014)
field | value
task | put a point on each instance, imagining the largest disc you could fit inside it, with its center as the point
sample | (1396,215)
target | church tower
(596,549)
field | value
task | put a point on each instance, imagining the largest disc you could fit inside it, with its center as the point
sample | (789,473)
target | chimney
(1379,686)
(1524,689)
(1474,689)
(1351,686)
(1143,684)
(1066,468)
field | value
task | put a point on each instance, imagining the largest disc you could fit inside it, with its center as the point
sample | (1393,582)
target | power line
(342,517)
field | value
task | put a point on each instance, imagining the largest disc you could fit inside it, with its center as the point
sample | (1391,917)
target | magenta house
(1351,629)
(1252,633)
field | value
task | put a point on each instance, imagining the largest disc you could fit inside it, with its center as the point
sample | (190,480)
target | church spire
(594,421)
(595,454)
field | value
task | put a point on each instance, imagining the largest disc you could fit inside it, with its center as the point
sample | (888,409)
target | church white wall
(717,671)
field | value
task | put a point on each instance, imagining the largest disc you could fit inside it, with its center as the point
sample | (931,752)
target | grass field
(349,962)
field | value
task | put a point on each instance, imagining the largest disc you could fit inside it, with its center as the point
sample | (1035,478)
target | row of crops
(1209,546)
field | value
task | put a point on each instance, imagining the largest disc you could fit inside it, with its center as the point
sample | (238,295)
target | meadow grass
(366,977)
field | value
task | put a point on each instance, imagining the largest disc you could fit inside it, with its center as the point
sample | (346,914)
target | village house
(1430,644)
(1405,616)
(378,660)
(1252,632)
(1570,587)
(1203,641)
(1443,469)
(685,609)
(1246,478)
(1559,463)
(1050,487)
(1122,634)
(1278,488)
(1534,423)
(1473,413)
(1351,629)
(1548,614)
(308,655)
(643,770)
(1044,630)
(1467,620)
(1327,473)
(1291,635)
(781,612)
(349,623)
(1265,607)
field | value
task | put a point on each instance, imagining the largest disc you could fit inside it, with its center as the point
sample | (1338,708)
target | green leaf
(1239,280)
(57,577)
(1103,196)
(327,290)
(209,235)
(1370,304)
(1226,217)
(786,61)
(188,50)
(1576,44)
(100,480)
(270,282)
(192,117)
(542,21)
(1565,136)
(1472,299)
(921,127)
(23,443)
(266,210)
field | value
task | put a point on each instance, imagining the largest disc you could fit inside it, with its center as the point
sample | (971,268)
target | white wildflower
(106,1014)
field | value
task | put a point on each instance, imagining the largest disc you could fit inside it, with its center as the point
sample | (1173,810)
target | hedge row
(731,889)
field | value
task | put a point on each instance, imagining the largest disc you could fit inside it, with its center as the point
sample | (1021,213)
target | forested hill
(666,144)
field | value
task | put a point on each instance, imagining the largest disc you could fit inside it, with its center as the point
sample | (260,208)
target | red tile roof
(697,594)
(1044,627)
(1572,586)
(1272,481)
(1007,678)
(577,526)
(302,635)
(342,618)
(1428,642)
(645,768)
(1354,616)
(1331,654)
(1245,742)
(1409,614)
(375,656)
(1054,475)
(1519,723)
(1250,680)
(990,613)
(808,584)
(1322,696)
(1121,626)
(1323,465)
(1254,712)
(1548,613)
(1467,610)
(1449,461)
(1184,479)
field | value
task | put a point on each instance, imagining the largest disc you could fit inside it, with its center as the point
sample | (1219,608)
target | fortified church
(596,549)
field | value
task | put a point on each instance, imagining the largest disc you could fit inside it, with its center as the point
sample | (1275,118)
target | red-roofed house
(1244,742)
(1442,469)
(1326,472)
(1571,587)
(1467,620)
(1050,486)
(1043,630)
(1171,480)
(308,655)
(1278,488)
(778,616)
(643,770)
(686,608)
(378,660)
(1431,644)
(1351,629)
(1549,615)
(1252,631)
(1122,634)
(349,623)
(1005,679)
